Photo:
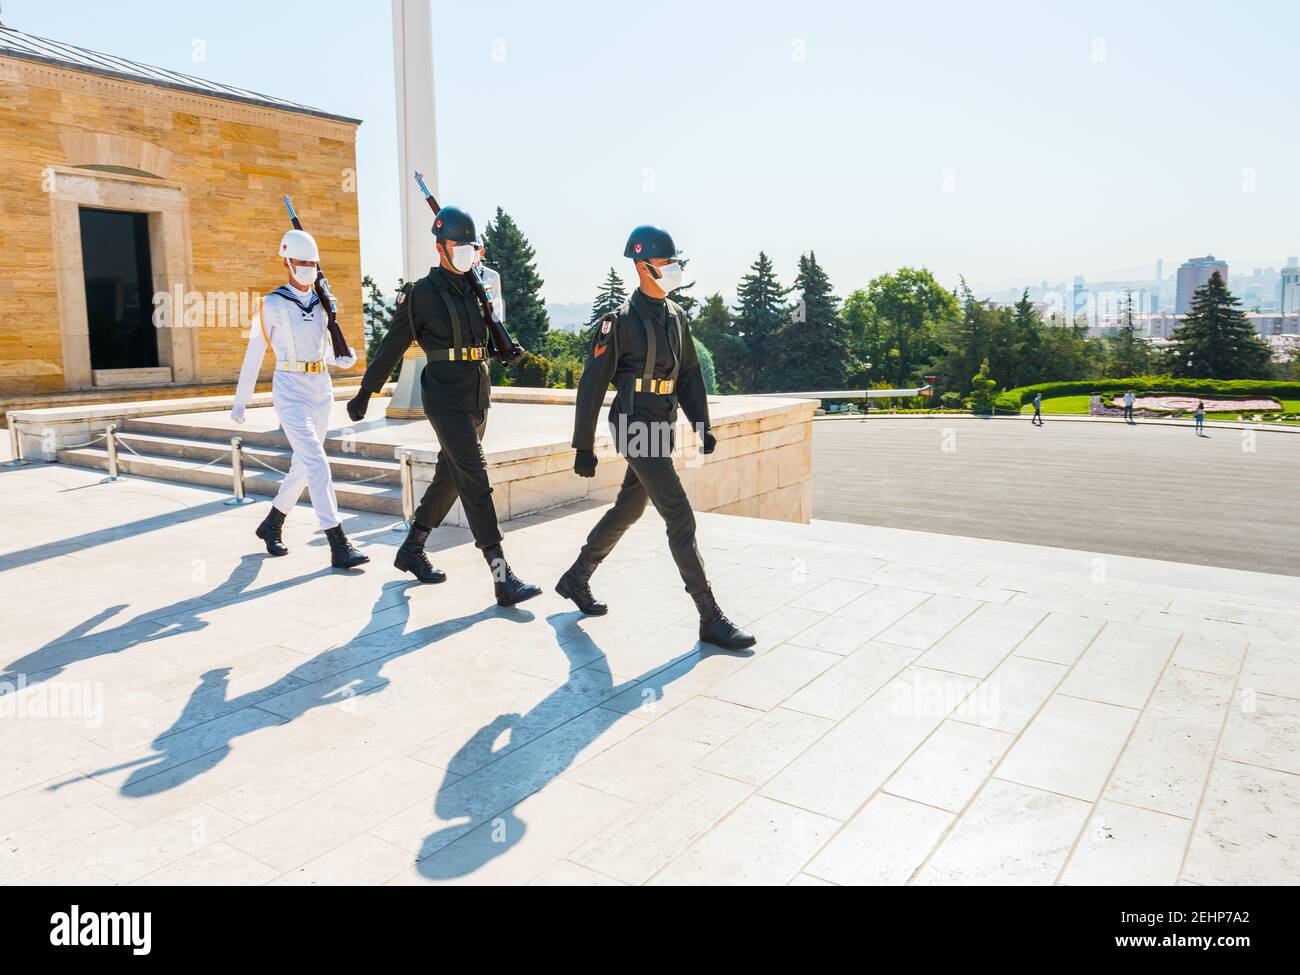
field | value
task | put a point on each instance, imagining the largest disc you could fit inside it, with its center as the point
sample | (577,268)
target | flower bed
(1172,403)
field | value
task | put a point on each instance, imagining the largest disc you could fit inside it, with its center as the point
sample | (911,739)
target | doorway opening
(118,269)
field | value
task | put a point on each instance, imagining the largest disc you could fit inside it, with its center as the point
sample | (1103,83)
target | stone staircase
(366,477)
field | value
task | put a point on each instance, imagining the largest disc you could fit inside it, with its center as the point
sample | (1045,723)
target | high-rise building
(1193,274)
(1289,287)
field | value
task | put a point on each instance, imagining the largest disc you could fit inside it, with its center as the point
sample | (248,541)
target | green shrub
(982,390)
(532,371)
(706,366)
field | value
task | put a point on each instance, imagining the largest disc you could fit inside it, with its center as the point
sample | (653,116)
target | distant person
(1128,407)
(1200,418)
(1038,409)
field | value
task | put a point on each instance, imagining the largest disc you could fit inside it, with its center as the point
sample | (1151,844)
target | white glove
(237,414)
(345,361)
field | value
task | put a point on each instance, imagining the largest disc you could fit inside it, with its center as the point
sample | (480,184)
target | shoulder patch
(401,296)
(605,326)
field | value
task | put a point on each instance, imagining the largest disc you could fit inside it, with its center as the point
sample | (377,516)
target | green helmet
(646,242)
(453,223)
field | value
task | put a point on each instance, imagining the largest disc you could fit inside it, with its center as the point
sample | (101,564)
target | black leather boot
(575,585)
(509,587)
(342,554)
(411,558)
(715,628)
(269,532)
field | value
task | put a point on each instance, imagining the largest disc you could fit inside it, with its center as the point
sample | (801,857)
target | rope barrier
(261,463)
(364,480)
(74,446)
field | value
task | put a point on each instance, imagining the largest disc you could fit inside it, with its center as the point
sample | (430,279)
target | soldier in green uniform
(645,349)
(440,313)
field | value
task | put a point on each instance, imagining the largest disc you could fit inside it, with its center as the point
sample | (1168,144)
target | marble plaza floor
(921,708)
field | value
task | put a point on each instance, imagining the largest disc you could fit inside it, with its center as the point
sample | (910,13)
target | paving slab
(922,708)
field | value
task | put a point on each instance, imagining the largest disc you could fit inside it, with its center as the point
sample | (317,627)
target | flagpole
(417,148)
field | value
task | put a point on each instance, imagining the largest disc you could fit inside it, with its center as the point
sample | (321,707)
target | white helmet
(300,246)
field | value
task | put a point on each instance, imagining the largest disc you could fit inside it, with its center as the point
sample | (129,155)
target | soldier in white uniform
(292,323)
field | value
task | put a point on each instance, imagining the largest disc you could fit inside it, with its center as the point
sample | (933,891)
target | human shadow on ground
(79,543)
(78,643)
(334,675)
(485,784)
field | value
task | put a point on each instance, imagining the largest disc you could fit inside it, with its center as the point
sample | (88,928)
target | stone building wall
(209,171)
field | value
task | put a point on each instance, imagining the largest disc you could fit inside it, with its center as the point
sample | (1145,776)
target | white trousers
(302,402)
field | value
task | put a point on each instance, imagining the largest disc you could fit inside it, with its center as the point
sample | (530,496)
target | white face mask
(463,257)
(304,274)
(670,277)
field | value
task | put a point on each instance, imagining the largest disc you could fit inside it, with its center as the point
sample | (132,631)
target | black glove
(584,464)
(357,406)
(708,442)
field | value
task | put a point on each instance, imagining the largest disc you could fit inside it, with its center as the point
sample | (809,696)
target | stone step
(374,496)
(346,467)
(162,426)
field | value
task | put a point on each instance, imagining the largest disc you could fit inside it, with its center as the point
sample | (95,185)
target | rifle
(499,340)
(326,297)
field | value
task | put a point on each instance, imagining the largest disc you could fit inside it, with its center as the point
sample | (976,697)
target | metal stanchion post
(110,441)
(16,447)
(237,472)
(407,477)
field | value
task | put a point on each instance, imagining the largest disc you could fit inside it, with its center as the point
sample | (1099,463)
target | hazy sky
(1009,142)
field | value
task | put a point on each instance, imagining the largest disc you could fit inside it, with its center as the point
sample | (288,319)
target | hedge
(1013,399)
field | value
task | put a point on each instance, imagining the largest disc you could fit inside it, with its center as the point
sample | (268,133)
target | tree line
(900,328)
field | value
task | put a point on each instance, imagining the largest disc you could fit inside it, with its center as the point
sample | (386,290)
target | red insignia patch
(636,248)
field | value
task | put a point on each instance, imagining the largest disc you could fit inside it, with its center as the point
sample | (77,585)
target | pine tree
(759,316)
(378,312)
(1216,340)
(716,329)
(1026,337)
(1129,354)
(812,348)
(682,296)
(965,342)
(511,256)
(612,294)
